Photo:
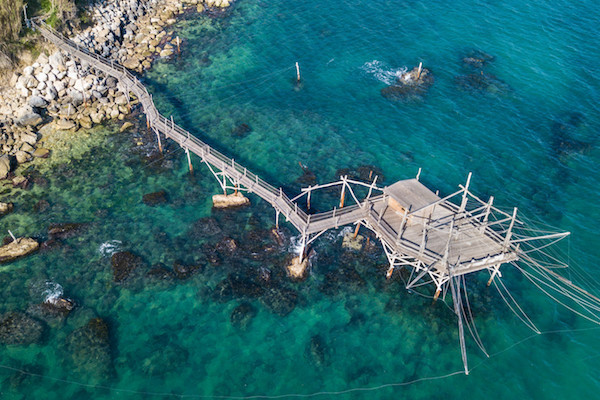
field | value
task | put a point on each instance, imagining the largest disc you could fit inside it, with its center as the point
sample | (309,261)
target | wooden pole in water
(297,71)
(343,193)
(159,142)
(178,49)
(419,71)
(187,152)
(308,198)
(356,230)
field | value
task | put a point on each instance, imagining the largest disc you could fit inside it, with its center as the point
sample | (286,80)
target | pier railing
(279,200)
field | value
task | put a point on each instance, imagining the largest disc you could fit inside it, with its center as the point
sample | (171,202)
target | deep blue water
(531,140)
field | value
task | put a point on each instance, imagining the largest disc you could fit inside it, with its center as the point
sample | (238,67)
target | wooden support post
(419,71)
(487,214)
(343,195)
(308,198)
(389,272)
(510,228)
(372,187)
(187,152)
(276,219)
(178,49)
(159,142)
(463,204)
(496,271)
(25,16)
(297,72)
(437,294)
(356,230)
(12,236)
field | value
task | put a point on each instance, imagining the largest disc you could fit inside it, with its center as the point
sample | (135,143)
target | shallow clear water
(176,336)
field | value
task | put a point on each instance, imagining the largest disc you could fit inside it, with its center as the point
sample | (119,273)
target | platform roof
(411,194)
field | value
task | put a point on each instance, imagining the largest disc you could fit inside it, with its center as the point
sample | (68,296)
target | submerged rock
(17,248)
(414,83)
(124,264)
(89,349)
(280,300)
(308,178)
(160,272)
(363,173)
(204,227)
(477,59)
(237,287)
(64,230)
(317,351)
(184,271)
(568,138)
(230,201)
(241,131)
(17,328)
(155,198)
(343,279)
(482,82)
(242,316)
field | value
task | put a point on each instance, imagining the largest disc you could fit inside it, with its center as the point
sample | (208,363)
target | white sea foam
(345,231)
(383,72)
(295,245)
(53,292)
(109,248)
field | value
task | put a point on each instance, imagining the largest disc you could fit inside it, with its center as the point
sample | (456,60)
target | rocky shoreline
(57,93)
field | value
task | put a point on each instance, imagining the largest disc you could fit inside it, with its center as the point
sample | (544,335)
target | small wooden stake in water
(178,49)
(297,72)
(419,71)
(12,236)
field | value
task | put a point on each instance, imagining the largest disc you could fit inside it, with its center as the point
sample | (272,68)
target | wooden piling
(437,294)
(187,152)
(160,148)
(419,71)
(178,49)
(356,230)
(297,72)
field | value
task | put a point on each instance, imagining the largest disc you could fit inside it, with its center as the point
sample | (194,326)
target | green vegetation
(15,38)
(11,12)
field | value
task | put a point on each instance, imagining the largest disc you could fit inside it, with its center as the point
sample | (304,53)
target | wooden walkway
(401,240)
(439,240)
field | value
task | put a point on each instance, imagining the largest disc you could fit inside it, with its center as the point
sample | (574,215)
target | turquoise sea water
(531,141)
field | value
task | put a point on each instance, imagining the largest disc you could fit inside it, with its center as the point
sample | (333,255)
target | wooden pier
(438,238)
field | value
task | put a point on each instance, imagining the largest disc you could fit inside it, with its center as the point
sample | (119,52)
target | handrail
(282,203)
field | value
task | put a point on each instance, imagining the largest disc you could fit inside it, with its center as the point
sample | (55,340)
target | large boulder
(17,248)
(19,328)
(90,351)
(57,61)
(5,208)
(5,166)
(242,315)
(229,201)
(29,119)
(37,101)
(155,198)
(124,264)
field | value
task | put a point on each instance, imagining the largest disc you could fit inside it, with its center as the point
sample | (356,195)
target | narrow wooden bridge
(439,239)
